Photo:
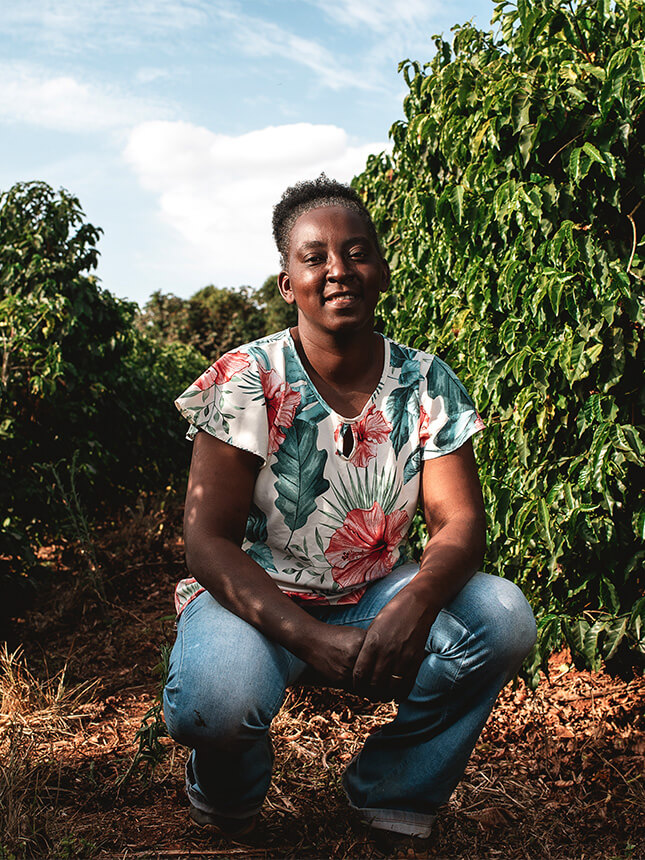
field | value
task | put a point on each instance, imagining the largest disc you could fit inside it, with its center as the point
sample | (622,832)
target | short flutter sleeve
(228,402)
(447,414)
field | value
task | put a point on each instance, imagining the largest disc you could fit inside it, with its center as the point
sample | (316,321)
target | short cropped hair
(312,194)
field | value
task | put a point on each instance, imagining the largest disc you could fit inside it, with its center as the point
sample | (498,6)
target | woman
(295,529)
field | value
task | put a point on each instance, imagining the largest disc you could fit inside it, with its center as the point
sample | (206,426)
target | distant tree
(223,318)
(278,315)
(166,318)
(213,320)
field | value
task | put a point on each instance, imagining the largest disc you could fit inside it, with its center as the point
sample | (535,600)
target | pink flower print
(365,547)
(372,429)
(438,417)
(224,369)
(282,402)
(424,426)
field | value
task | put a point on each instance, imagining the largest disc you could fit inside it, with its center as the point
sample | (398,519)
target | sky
(179,123)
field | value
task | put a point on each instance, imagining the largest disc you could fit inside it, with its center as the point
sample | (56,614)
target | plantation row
(511,211)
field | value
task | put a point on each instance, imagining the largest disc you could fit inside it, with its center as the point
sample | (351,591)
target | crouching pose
(312,449)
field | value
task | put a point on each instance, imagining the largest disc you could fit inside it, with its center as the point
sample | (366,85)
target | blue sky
(178,123)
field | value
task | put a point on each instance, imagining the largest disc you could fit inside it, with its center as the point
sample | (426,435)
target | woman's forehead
(333,219)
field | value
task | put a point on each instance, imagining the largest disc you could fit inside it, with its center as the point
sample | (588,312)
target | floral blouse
(324,523)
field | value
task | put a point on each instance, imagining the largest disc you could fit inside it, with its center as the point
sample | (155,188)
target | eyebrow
(306,246)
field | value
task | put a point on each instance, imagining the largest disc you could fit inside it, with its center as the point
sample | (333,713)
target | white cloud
(63,103)
(257,37)
(150,74)
(382,16)
(217,191)
(76,26)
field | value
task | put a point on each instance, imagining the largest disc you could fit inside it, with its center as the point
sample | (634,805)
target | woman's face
(334,272)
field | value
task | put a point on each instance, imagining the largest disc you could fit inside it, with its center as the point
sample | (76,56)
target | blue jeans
(227,682)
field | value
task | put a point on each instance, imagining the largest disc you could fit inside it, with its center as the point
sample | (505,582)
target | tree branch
(634,235)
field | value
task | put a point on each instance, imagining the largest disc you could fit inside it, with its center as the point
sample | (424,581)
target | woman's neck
(345,371)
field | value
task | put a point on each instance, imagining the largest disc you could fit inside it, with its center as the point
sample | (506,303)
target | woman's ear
(284,285)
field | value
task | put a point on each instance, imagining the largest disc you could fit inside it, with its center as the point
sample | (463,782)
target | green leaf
(299,467)
(608,594)
(555,292)
(616,630)
(577,629)
(457,202)
(590,648)
(593,153)
(545,522)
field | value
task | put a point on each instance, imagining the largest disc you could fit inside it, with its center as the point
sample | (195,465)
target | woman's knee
(225,681)
(217,715)
(499,616)
(511,630)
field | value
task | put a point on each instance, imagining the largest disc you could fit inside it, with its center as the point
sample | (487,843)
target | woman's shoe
(234,827)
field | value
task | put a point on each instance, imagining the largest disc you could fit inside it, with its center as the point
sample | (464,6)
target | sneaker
(234,827)
(229,826)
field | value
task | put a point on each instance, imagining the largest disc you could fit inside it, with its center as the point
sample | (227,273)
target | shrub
(78,382)
(511,212)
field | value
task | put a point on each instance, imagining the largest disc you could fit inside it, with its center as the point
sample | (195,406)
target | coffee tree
(80,388)
(511,211)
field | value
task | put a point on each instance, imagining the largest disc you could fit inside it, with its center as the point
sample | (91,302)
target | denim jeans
(227,682)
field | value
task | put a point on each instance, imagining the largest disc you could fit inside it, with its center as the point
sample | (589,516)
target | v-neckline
(370,400)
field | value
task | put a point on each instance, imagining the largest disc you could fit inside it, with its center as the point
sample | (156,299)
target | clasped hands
(381,662)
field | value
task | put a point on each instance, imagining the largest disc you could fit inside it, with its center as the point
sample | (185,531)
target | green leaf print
(399,355)
(412,465)
(261,554)
(381,486)
(410,374)
(256,525)
(299,467)
(309,400)
(260,356)
(398,413)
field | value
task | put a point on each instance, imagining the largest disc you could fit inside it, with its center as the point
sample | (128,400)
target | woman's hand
(393,649)
(334,653)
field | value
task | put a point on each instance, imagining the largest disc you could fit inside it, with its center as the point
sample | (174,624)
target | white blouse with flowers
(323,524)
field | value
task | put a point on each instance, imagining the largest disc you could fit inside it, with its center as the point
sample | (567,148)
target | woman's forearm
(452,555)
(244,588)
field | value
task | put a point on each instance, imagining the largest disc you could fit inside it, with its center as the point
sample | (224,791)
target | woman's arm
(218,500)
(454,514)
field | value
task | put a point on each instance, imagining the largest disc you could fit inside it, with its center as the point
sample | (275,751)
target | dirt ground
(557,773)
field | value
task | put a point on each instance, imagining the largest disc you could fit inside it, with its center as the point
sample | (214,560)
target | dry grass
(38,707)
(37,719)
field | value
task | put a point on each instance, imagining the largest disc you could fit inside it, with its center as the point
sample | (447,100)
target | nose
(338,268)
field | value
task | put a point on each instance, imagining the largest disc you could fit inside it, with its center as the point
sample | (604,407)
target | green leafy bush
(213,320)
(511,213)
(78,382)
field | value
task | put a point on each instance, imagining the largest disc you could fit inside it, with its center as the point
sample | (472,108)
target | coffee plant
(511,212)
(85,398)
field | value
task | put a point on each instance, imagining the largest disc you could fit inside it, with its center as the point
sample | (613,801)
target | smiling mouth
(342,298)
